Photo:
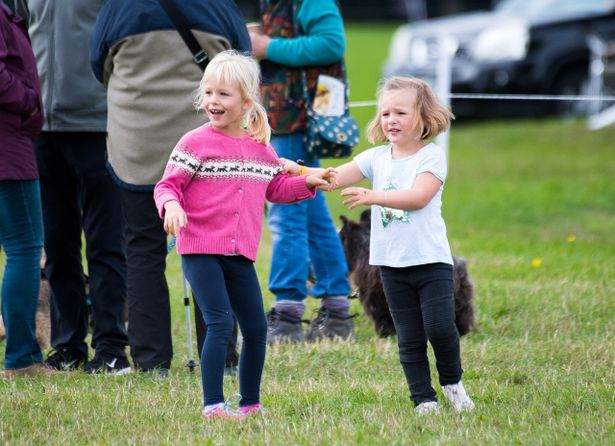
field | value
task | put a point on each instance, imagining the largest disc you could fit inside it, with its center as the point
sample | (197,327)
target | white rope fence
(508,97)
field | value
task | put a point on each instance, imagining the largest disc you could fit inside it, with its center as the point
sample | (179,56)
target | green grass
(540,367)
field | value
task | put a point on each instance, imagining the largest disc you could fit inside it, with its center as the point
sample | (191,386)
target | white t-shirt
(406,238)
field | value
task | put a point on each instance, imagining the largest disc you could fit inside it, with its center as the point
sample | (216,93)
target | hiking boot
(35,370)
(107,364)
(457,396)
(330,325)
(427,408)
(282,327)
(65,359)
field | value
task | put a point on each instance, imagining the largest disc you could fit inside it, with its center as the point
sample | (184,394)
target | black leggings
(224,285)
(423,308)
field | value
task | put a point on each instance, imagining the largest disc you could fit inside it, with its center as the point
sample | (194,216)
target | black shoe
(65,359)
(108,364)
(282,327)
(156,372)
(330,325)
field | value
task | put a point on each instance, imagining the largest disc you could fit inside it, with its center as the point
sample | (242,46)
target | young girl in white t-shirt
(408,235)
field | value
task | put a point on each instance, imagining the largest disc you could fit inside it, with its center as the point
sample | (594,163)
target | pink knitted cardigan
(222,183)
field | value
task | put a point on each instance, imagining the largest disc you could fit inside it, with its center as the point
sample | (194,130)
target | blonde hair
(231,67)
(433,117)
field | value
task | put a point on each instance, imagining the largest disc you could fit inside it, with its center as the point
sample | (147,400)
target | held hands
(327,177)
(357,196)
(175,218)
(323,179)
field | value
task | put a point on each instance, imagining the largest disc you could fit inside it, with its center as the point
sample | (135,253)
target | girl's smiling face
(225,106)
(398,117)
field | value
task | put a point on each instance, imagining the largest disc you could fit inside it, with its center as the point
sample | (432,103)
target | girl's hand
(357,196)
(324,179)
(175,218)
(290,167)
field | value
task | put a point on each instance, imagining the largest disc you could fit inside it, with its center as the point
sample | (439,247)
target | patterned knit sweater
(222,183)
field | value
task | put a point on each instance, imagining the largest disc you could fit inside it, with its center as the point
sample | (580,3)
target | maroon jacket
(21,118)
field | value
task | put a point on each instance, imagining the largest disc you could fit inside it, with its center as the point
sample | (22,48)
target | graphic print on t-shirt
(388,215)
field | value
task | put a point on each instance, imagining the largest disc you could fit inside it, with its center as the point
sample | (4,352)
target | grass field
(530,204)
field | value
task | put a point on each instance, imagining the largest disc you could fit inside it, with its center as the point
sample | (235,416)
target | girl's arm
(339,177)
(425,187)
(285,188)
(168,194)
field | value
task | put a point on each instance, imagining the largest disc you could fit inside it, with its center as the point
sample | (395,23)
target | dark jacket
(151,79)
(60,31)
(21,117)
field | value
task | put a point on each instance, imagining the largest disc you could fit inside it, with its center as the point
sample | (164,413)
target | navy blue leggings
(224,285)
(423,308)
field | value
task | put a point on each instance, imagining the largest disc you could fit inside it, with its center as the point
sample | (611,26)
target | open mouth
(216,112)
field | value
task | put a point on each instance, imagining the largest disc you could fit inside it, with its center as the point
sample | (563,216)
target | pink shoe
(254,409)
(222,411)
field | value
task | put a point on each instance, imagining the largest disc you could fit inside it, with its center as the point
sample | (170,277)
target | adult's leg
(62,223)
(149,309)
(21,236)
(100,202)
(435,284)
(205,273)
(330,268)
(247,303)
(326,251)
(405,306)
(288,225)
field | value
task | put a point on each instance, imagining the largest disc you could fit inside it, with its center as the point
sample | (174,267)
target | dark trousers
(232,357)
(78,194)
(223,286)
(423,308)
(149,309)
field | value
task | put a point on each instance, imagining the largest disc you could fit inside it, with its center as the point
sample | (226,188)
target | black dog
(366,278)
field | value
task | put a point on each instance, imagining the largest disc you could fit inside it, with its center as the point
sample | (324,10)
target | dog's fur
(42,318)
(366,279)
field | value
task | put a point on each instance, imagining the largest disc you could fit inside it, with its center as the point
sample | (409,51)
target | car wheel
(571,82)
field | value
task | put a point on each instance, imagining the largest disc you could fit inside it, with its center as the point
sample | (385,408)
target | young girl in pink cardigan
(212,197)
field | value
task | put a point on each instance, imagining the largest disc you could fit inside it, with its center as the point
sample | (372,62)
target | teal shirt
(324,41)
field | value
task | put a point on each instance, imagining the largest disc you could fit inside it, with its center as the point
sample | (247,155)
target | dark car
(521,47)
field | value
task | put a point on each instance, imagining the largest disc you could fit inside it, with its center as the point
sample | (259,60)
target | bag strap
(199,55)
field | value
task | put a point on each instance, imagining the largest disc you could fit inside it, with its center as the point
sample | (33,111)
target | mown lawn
(530,204)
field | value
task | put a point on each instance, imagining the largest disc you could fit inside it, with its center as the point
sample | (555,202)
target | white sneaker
(427,408)
(458,397)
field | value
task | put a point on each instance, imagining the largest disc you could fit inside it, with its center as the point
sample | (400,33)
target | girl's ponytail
(257,124)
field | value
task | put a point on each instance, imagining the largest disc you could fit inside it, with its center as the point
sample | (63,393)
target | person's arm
(323,41)
(169,191)
(15,95)
(339,177)
(99,47)
(425,187)
(285,188)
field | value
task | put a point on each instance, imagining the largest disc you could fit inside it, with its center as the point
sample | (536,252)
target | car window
(529,8)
